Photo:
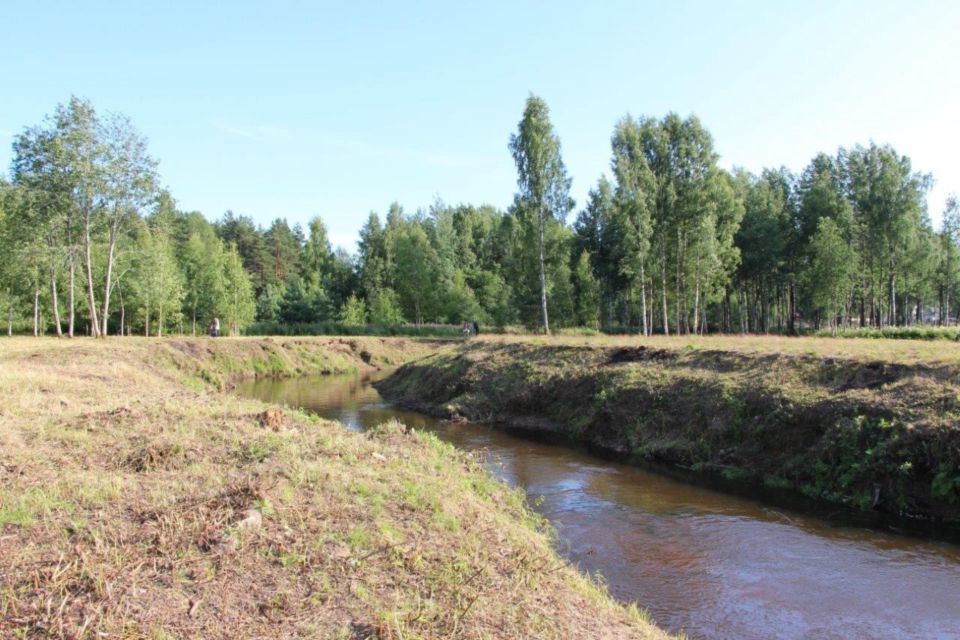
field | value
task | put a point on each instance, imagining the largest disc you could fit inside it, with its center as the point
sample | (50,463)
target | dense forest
(668,243)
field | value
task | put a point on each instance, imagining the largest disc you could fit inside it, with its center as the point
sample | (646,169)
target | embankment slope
(873,426)
(138,501)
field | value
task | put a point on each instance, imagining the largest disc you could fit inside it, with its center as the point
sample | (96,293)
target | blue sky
(280,109)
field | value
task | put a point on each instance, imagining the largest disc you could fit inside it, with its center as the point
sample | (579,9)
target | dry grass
(897,351)
(136,501)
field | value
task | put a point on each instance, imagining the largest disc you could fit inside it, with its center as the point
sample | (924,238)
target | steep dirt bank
(875,435)
(136,501)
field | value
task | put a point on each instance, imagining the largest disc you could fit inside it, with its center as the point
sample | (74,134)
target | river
(703,562)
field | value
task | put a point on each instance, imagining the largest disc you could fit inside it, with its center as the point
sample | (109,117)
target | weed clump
(152,455)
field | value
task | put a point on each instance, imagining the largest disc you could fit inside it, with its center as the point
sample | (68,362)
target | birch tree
(129,187)
(635,199)
(543,185)
(948,269)
(830,275)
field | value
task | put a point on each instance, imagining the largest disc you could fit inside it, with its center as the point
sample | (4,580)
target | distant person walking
(215,328)
(476,328)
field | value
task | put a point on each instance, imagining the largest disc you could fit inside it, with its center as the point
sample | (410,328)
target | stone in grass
(251,521)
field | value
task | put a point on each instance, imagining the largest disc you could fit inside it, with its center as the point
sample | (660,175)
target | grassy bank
(138,501)
(872,424)
(218,361)
(339,329)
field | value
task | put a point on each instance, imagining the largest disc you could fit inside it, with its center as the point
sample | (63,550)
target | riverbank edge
(139,498)
(223,361)
(864,435)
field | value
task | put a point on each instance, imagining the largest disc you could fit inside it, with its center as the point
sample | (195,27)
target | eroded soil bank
(873,435)
(138,501)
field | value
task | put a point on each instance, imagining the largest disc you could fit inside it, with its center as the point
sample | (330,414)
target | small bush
(946,484)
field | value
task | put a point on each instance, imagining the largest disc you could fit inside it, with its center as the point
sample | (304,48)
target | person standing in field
(215,327)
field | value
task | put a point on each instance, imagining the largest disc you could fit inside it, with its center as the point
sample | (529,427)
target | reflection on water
(713,565)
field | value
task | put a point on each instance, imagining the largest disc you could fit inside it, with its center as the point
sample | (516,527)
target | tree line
(668,243)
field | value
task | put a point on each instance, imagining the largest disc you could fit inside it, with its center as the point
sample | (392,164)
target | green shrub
(946,484)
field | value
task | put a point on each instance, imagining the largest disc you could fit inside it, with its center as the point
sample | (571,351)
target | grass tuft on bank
(138,501)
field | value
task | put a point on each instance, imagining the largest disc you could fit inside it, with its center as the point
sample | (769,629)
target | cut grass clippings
(138,501)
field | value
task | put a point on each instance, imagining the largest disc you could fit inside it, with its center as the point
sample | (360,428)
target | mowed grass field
(139,500)
(933,352)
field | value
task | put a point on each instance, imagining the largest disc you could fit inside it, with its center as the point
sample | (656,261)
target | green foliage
(269,301)
(543,195)
(460,303)
(238,304)
(156,283)
(946,483)
(495,297)
(304,302)
(385,308)
(634,207)
(586,293)
(249,240)
(829,277)
(201,259)
(344,329)
(736,474)
(418,274)
(82,180)
(670,244)
(354,312)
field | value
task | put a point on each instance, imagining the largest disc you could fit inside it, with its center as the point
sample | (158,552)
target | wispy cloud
(260,132)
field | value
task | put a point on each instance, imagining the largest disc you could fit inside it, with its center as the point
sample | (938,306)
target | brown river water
(710,564)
